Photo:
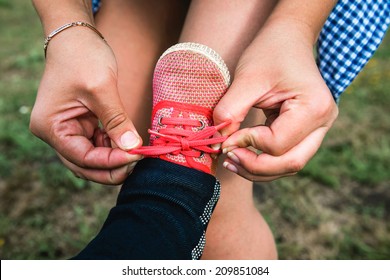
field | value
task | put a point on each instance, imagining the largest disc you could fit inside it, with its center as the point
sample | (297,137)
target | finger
(83,153)
(108,177)
(254,117)
(236,168)
(110,111)
(294,123)
(271,116)
(235,105)
(87,124)
(257,166)
(248,161)
(101,138)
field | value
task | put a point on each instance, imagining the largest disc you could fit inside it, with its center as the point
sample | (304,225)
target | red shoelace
(184,140)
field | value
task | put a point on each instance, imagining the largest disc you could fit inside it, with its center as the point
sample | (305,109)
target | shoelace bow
(185,141)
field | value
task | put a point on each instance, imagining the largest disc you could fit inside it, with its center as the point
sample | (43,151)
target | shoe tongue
(188,77)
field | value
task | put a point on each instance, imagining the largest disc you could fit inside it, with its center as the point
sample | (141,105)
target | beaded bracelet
(66,26)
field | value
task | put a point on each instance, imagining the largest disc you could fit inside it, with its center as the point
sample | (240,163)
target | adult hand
(79,89)
(278,75)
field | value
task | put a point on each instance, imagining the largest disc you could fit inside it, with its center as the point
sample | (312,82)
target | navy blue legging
(162,212)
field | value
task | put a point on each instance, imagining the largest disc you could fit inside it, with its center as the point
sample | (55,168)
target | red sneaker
(189,80)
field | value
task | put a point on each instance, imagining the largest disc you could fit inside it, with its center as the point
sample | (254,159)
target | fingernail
(129,140)
(216,147)
(228,149)
(230,167)
(233,157)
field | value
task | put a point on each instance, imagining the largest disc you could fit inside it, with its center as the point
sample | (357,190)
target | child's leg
(236,229)
(138,32)
(161,213)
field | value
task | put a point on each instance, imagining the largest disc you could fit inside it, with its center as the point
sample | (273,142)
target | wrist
(54,14)
(54,23)
(292,29)
(301,17)
(67,26)
(278,46)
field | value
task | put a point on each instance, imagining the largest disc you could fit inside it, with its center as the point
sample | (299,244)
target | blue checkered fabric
(350,36)
(95,5)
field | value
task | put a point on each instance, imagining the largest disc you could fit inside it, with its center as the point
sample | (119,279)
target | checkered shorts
(95,5)
(350,36)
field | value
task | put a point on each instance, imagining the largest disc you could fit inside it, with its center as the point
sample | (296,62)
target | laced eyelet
(201,155)
(202,125)
(159,121)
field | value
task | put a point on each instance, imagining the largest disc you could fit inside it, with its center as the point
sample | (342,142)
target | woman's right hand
(77,91)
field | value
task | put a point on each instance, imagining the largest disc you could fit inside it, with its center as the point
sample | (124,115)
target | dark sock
(162,212)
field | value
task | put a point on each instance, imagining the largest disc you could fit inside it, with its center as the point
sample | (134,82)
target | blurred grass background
(338,207)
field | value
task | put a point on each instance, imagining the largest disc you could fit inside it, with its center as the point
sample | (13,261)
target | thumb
(234,106)
(116,122)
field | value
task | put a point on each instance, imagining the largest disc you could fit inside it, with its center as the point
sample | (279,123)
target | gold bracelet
(69,25)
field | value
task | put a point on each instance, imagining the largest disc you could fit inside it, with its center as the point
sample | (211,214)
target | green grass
(338,207)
